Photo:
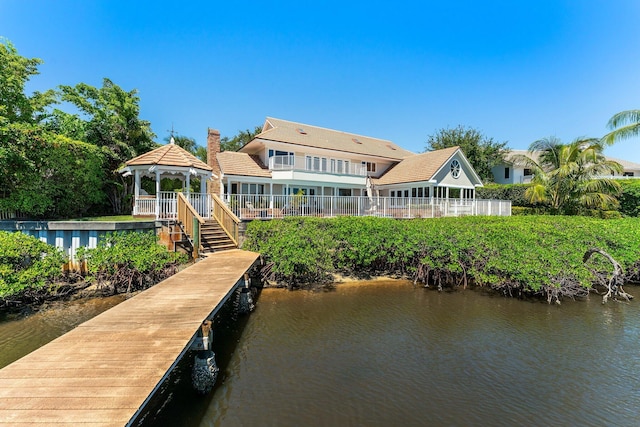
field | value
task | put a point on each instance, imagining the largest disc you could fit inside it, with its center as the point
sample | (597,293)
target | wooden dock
(104,371)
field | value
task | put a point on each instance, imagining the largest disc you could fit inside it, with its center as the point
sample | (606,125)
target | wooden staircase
(213,238)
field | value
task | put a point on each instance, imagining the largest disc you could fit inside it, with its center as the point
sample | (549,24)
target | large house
(297,169)
(293,166)
(511,172)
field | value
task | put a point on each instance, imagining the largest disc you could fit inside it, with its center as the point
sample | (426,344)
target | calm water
(390,354)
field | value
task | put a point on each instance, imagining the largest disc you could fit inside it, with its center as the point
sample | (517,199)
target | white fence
(265,207)
(268,207)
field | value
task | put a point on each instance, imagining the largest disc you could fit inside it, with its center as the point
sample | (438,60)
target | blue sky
(516,70)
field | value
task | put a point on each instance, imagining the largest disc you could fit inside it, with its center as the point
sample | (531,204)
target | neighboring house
(290,158)
(510,172)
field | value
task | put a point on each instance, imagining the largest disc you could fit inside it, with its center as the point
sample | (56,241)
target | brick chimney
(213,148)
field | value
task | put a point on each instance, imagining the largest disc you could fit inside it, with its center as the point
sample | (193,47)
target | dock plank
(102,372)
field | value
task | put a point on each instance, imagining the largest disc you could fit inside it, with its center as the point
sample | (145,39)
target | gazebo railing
(165,206)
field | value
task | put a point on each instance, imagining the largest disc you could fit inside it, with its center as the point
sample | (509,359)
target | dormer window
(356,140)
(301,131)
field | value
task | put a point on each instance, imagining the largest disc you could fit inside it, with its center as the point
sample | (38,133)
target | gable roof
(169,155)
(317,137)
(243,164)
(417,168)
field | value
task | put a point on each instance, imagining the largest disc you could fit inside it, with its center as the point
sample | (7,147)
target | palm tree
(570,177)
(623,125)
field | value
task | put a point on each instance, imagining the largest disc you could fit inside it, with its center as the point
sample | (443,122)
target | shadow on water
(177,392)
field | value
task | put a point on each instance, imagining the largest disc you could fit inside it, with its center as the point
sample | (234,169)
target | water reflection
(389,353)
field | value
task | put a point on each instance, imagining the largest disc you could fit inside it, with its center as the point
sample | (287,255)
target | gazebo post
(157,193)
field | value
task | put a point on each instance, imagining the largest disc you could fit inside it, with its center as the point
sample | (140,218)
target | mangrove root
(614,284)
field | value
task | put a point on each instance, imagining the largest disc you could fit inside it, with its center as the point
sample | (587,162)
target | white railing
(267,207)
(10,214)
(317,164)
(165,207)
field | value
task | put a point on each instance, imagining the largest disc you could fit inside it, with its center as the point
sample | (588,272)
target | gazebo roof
(169,155)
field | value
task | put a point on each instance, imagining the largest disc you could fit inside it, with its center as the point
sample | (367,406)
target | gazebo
(168,161)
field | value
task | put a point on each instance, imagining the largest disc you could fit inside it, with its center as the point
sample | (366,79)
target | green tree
(185,142)
(482,152)
(241,138)
(623,125)
(45,175)
(15,71)
(114,125)
(570,177)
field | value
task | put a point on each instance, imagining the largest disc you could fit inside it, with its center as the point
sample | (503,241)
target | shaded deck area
(103,372)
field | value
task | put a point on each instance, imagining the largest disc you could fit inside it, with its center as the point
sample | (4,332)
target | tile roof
(626,164)
(169,155)
(243,164)
(417,168)
(317,137)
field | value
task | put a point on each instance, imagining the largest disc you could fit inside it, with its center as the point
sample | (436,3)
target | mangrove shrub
(126,261)
(528,255)
(26,265)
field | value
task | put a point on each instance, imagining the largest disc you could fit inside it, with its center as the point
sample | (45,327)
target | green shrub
(26,264)
(125,261)
(630,197)
(513,192)
(533,255)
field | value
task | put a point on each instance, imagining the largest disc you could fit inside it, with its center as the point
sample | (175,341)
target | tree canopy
(241,138)
(50,159)
(624,125)
(15,71)
(112,123)
(482,152)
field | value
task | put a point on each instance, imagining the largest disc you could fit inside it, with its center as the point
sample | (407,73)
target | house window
(307,162)
(414,192)
(282,158)
(393,193)
(420,192)
(527,172)
(333,166)
(316,163)
(628,174)
(370,167)
(339,170)
(344,191)
(506,173)
(406,193)
(455,168)
(324,164)
(346,166)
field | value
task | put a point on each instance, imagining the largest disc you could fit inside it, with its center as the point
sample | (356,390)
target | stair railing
(229,222)
(191,222)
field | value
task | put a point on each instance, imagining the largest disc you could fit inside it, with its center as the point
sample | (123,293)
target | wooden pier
(103,372)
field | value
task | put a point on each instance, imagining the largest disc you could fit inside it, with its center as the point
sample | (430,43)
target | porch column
(157,193)
(188,185)
(270,195)
(203,184)
(136,185)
